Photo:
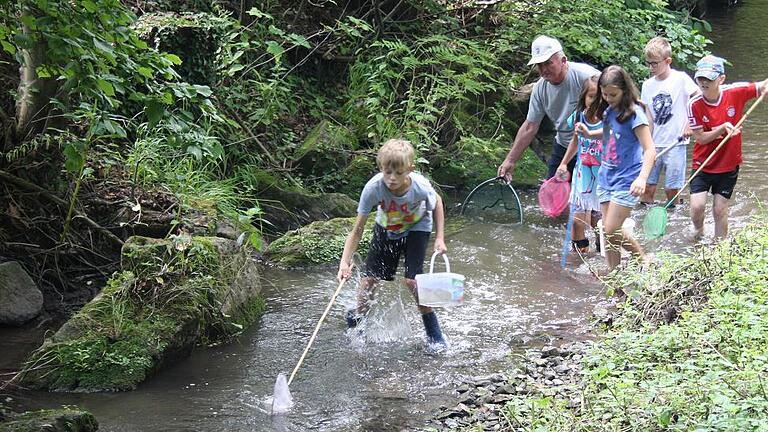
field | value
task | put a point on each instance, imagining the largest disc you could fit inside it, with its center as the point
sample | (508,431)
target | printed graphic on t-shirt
(590,156)
(399,218)
(662,108)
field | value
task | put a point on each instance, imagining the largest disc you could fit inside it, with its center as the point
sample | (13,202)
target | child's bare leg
(670,193)
(411,284)
(366,292)
(614,237)
(631,244)
(650,191)
(720,213)
(580,223)
(698,205)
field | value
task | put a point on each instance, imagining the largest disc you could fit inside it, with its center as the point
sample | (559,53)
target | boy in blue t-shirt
(406,207)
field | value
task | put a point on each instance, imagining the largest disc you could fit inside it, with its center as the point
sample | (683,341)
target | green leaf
(89,6)
(75,160)
(145,71)
(195,151)
(29,21)
(154,111)
(104,47)
(203,90)
(7,47)
(173,58)
(167,98)
(43,72)
(275,49)
(106,87)
(235,68)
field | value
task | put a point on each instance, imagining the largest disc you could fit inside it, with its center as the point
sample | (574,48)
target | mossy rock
(171,295)
(323,242)
(464,168)
(194,37)
(317,243)
(53,420)
(329,155)
(285,210)
(355,175)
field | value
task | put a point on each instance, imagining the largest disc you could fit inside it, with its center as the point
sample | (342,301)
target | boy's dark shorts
(720,183)
(384,254)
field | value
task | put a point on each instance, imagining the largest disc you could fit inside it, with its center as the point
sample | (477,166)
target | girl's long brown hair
(581,106)
(616,76)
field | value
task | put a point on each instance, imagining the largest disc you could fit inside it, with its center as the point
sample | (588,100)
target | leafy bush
(703,372)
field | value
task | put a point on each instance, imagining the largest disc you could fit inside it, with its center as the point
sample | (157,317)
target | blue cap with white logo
(710,67)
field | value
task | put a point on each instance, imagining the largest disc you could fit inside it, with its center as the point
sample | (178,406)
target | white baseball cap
(542,48)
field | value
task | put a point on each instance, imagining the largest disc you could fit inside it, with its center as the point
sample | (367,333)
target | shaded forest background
(254,117)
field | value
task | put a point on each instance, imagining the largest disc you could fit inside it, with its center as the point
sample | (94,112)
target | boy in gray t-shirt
(406,208)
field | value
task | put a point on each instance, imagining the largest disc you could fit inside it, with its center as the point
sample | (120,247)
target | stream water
(517,298)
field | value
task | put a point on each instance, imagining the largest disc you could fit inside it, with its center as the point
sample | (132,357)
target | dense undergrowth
(216,107)
(688,352)
(442,74)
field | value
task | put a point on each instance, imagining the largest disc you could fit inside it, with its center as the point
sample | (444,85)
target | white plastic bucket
(629,225)
(440,289)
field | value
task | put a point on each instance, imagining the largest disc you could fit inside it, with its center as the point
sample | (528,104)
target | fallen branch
(31,186)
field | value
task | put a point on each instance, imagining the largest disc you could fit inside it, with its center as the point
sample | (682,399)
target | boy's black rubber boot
(352,318)
(435,341)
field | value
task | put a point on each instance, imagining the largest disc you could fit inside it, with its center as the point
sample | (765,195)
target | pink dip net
(553,196)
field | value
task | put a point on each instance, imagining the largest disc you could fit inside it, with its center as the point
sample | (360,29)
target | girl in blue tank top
(584,199)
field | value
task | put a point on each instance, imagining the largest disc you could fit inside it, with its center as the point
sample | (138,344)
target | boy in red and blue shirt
(711,116)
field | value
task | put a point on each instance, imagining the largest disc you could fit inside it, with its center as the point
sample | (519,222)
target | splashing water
(281,396)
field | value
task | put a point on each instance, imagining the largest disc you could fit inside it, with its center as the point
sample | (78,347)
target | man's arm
(523,139)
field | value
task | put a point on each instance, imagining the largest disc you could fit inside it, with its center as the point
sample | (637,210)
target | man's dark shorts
(384,254)
(721,183)
(558,152)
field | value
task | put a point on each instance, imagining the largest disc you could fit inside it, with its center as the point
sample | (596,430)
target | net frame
(492,181)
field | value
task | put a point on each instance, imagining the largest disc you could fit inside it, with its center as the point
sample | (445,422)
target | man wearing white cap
(555,95)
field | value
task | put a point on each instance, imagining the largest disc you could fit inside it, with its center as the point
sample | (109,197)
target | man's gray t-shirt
(400,214)
(558,101)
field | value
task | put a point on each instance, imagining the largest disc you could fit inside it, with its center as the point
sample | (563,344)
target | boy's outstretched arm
(350,246)
(438,214)
(762,86)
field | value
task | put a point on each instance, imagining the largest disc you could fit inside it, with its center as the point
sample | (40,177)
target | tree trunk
(245,6)
(33,105)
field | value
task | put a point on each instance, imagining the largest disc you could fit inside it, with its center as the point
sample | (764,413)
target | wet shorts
(384,254)
(720,183)
(673,163)
(622,198)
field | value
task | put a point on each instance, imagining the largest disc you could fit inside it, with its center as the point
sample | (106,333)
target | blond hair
(395,154)
(658,47)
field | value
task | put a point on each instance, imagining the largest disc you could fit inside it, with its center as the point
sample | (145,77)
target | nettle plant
(414,88)
(101,77)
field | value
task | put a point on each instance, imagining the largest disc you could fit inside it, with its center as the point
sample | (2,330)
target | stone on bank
(171,295)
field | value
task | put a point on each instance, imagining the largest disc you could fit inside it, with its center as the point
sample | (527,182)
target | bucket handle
(432,262)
